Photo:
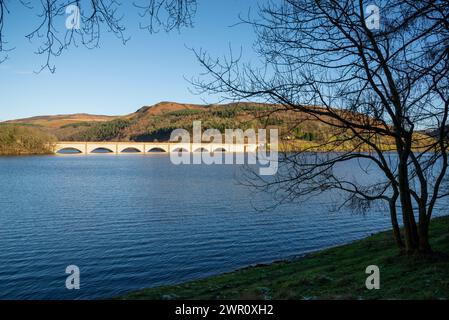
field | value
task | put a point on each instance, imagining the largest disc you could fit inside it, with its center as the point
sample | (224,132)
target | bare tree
(167,14)
(378,89)
(94,16)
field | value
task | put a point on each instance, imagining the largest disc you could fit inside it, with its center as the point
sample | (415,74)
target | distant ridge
(147,123)
(157,122)
(59,120)
(168,106)
(156,109)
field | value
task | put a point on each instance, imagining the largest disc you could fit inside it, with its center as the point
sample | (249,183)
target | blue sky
(117,79)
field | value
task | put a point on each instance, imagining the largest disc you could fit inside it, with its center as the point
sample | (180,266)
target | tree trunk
(424,245)
(410,229)
(395,224)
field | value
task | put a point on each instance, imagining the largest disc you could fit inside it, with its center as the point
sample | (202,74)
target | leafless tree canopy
(167,14)
(96,16)
(377,88)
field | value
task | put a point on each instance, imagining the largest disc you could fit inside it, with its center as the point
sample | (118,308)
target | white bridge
(69,147)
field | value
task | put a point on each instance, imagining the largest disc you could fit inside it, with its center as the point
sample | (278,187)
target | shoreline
(337,272)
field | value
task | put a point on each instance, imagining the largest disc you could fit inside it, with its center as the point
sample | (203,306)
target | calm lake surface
(130,222)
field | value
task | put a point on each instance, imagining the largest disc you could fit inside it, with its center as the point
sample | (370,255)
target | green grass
(335,273)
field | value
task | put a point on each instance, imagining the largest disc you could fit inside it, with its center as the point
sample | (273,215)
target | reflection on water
(138,221)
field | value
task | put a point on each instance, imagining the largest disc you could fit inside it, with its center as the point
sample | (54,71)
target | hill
(155,123)
(58,121)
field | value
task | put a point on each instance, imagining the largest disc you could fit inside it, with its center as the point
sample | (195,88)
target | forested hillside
(297,130)
(20,139)
(156,122)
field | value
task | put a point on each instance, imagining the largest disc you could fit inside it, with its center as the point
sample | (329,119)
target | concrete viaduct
(86,148)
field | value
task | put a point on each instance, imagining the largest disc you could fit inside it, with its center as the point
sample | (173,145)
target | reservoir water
(130,222)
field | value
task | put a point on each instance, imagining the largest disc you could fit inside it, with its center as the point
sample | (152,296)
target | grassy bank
(336,273)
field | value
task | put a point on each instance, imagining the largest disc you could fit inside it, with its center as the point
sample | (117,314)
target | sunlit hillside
(297,130)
